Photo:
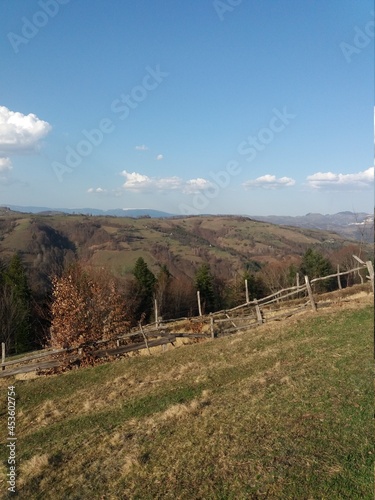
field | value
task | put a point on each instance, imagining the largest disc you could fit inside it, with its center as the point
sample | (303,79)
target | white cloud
(160,157)
(142,147)
(329,180)
(168,183)
(20,132)
(195,185)
(269,182)
(96,190)
(5,165)
(138,182)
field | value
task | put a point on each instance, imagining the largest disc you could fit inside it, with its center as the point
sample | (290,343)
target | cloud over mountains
(330,180)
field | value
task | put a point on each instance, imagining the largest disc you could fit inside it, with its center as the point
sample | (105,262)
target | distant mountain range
(116,212)
(359,226)
(317,221)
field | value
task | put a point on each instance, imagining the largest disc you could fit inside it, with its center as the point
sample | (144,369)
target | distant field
(283,411)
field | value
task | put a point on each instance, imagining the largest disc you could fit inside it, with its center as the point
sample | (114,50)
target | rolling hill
(358,226)
(228,243)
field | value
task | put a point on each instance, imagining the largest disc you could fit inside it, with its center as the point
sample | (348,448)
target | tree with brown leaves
(87,306)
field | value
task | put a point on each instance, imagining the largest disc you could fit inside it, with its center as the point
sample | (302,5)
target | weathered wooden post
(156,313)
(3,354)
(370,269)
(144,338)
(247,291)
(258,312)
(309,291)
(360,276)
(212,326)
(297,281)
(338,277)
(199,303)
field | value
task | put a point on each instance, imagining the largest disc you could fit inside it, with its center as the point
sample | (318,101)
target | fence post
(144,338)
(360,276)
(3,354)
(338,277)
(199,303)
(258,312)
(156,313)
(297,282)
(212,327)
(247,292)
(309,291)
(370,269)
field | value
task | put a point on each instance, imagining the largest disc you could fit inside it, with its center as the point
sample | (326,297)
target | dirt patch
(26,376)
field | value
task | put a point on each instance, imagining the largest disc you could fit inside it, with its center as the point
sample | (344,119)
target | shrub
(86,307)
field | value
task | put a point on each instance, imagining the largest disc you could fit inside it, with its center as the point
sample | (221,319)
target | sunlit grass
(283,411)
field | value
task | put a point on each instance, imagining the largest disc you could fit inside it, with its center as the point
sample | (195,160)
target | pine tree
(204,282)
(16,289)
(143,275)
(257,288)
(164,279)
(145,283)
(314,265)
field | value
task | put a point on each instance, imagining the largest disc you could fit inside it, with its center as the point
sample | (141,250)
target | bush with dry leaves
(87,306)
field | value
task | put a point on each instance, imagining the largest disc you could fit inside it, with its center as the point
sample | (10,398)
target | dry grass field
(282,411)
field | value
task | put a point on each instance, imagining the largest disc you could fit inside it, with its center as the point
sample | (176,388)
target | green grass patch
(282,411)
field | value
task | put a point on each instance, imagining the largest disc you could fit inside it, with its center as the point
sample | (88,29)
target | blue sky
(252,107)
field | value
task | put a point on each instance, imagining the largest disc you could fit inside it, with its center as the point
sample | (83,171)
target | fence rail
(160,333)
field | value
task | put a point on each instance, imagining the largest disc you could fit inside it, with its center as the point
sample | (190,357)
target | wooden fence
(274,307)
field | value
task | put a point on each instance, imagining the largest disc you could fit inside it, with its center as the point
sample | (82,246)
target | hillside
(228,243)
(282,411)
(358,226)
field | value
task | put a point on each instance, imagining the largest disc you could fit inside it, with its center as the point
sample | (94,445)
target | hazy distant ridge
(348,224)
(117,212)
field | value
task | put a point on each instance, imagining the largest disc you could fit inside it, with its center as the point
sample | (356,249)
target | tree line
(87,304)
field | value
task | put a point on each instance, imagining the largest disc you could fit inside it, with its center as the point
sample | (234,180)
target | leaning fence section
(275,307)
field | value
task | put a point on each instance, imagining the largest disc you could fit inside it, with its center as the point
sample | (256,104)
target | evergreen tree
(164,279)
(16,296)
(255,285)
(292,275)
(204,282)
(144,288)
(315,265)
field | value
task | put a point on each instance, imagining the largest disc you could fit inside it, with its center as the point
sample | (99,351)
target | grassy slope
(282,411)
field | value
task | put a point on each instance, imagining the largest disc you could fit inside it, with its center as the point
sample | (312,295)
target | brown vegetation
(87,307)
